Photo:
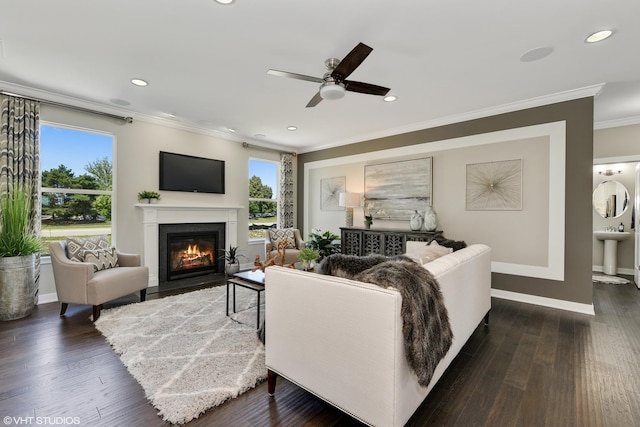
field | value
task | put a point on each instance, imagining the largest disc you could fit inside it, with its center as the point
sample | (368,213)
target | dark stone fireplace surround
(164,230)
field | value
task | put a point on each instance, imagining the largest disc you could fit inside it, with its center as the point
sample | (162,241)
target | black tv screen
(179,172)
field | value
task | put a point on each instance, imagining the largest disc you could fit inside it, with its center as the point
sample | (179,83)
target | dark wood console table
(363,241)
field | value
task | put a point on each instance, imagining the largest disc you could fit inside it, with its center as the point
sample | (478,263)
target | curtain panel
(20,155)
(286,196)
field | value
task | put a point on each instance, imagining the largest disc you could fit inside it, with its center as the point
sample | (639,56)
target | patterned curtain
(286,196)
(20,154)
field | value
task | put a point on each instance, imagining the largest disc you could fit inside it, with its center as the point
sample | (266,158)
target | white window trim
(276,200)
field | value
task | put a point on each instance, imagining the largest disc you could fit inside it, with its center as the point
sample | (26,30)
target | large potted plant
(18,248)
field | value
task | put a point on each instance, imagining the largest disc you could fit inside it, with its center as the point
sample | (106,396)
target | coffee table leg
(234,297)
(258,312)
(227,298)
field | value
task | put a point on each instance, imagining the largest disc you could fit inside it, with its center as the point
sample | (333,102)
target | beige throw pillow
(77,245)
(102,258)
(422,254)
(286,234)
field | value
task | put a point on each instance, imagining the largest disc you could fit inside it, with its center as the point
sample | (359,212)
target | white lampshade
(349,200)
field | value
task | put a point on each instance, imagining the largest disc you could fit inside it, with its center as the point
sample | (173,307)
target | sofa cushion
(286,234)
(101,258)
(77,245)
(422,253)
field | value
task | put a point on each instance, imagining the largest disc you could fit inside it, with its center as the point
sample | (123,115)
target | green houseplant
(323,242)
(308,257)
(232,257)
(19,245)
(149,196)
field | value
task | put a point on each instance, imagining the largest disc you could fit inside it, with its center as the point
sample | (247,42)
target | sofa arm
(129,260)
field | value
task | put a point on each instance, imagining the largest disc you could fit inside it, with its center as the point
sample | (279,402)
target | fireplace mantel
(153,214)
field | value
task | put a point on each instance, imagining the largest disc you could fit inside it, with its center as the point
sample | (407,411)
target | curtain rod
(247,146)
(72,107)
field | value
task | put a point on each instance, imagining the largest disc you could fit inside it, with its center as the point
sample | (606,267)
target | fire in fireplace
(191,254)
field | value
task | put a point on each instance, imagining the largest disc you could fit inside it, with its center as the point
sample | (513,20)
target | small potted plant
(149,196)
(368,220)
(326,243)
(232,257)
(308,258)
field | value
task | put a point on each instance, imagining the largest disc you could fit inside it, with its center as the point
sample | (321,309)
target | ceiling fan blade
(315,100)
(365,88)
(295,76)
(351,61)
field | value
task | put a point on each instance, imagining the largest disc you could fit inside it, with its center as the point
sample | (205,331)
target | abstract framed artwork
(395,190)
(494,186)
(330,189)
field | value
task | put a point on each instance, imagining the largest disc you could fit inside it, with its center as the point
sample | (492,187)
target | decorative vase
(17,286)
(430,219)
(232,269)
(416,221)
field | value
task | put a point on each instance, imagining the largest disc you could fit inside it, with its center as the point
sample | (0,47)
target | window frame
(276,192)
(114,174)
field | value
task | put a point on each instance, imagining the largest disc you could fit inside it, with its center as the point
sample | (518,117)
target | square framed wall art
(494,186)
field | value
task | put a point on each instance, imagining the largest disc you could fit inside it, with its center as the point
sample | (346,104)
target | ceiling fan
(334,84)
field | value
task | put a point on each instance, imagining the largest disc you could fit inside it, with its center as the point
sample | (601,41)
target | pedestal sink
(611,239)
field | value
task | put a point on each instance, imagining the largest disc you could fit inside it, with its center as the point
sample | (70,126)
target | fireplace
(191,250)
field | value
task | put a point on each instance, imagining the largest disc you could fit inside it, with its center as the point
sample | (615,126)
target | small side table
(253,280)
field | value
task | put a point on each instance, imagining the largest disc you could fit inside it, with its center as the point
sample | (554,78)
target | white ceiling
(206,63)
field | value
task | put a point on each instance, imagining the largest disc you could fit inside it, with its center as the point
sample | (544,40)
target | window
(263,197)
(77,172)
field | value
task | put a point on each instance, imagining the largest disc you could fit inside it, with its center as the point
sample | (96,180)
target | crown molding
(584,92)
(606,124)
(44,95)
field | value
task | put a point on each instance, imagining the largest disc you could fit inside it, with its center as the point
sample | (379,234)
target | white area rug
(185,352)
(609,280)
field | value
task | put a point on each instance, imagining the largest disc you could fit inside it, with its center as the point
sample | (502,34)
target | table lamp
(349,201)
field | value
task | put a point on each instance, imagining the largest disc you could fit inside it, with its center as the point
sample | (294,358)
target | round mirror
(610,199)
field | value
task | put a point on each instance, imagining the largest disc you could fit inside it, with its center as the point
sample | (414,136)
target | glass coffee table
(253,280)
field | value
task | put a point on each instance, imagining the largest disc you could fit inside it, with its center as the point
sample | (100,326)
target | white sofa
(342,340)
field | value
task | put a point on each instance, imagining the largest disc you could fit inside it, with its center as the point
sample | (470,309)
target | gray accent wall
(578,117)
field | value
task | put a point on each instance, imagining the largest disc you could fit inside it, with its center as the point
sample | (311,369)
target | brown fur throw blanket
(425,321)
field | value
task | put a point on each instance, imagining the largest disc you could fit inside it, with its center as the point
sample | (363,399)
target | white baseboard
(544,301)
(625,271)
(47,298)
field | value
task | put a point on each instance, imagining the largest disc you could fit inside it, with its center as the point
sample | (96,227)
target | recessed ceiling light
(291,128)
(232,130)
(139,82)
(390,98)
(225,1)
(171,115)
(536,54)
(598,36)
(260,135)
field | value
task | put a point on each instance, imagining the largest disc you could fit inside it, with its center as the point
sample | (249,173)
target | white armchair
(78,283)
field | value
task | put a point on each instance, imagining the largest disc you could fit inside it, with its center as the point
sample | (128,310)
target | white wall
(136,165)
(519,237)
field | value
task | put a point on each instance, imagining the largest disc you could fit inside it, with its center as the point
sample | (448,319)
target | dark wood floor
(533,366)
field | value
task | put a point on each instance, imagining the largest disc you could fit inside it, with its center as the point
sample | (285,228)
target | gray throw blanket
(425,321)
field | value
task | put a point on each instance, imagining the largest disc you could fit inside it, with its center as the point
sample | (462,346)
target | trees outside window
(77,182)
(263,197)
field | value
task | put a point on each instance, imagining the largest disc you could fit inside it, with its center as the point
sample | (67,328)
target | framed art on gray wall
(494,186)
(395,190)
(330,189)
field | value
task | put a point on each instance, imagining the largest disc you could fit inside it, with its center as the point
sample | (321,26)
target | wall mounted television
(180,172)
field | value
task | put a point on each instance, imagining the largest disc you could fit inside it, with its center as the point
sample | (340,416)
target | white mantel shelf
(159,213)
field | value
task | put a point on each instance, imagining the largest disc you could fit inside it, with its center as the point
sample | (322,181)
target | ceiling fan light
(332,90)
